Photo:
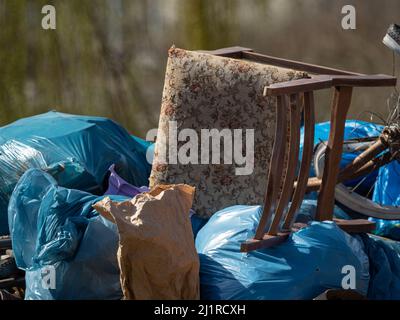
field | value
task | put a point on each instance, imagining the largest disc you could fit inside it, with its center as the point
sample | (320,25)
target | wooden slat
(301,66)
(327,81)
(333,154)
(276,166)
(356,225)
(364,81)
(267,241)
(300,85)
(293,157)
(308,144)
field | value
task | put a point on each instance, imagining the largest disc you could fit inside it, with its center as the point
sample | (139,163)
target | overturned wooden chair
(285,191)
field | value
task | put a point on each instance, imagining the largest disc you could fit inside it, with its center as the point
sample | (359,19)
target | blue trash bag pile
(76,150)
(51,181)
(308,263)
(66,248)
(52,178)
(53,167)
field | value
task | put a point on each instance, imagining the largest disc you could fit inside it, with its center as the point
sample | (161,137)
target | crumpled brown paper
(156,254)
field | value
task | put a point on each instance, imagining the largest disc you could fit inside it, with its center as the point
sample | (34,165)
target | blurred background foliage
(107,57)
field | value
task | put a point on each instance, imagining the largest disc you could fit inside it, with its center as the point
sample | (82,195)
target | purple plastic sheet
(118,186)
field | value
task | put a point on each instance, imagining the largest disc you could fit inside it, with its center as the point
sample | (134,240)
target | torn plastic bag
(66,248)
(156,254)
(118,186)
(76,150)
(308,263)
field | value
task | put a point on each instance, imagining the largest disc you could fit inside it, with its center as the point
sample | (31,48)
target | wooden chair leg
(276,167)
(294,144)
(275,235)
(308,144)
(333,153)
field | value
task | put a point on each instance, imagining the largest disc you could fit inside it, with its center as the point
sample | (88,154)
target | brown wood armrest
(364,81)
(301,85)
(327,81)
(355,226)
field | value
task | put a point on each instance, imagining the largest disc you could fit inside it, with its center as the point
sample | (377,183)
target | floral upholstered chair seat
(204,91)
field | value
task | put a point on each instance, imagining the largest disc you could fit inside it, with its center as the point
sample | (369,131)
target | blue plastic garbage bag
(76,150)
(387,186)
(66,248)
(384,257)
(387,193)
(302,267)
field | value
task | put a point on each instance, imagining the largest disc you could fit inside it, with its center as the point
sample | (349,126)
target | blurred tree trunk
(13,59)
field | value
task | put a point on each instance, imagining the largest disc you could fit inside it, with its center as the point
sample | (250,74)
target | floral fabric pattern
(204,91)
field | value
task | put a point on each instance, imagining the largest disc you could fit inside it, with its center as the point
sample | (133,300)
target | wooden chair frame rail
(295,99)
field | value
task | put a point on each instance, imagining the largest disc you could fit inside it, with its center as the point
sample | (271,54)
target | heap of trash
(85,215)
(82,220)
